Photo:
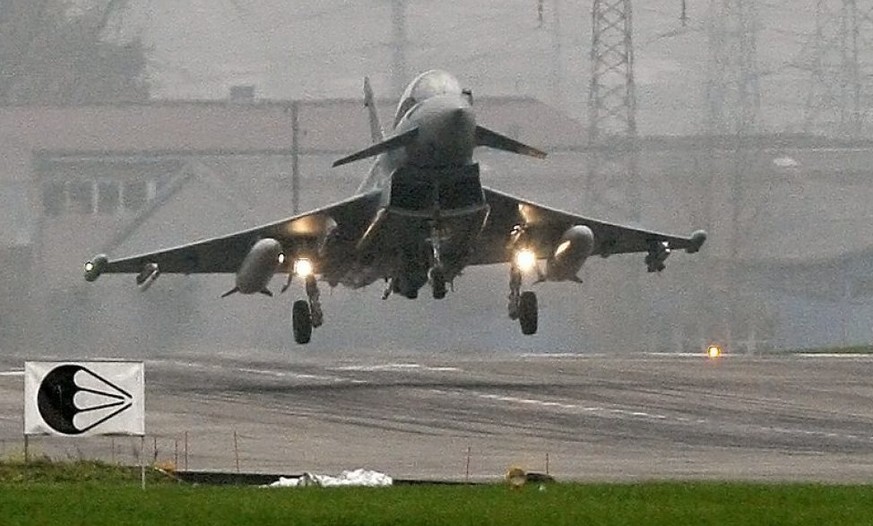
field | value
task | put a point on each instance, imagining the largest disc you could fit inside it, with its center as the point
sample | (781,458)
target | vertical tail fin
(377,170)
(376,133)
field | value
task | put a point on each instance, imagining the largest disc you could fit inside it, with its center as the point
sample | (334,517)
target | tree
(50,54)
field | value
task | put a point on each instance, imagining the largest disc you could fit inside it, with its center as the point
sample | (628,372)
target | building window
(102,185)
(81,197)
(135,195)
(108,197)
(53,198)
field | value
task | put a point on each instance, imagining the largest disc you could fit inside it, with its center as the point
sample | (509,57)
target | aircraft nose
(457,132)
(462,114)
(463,119)
(457,123)
(447,133)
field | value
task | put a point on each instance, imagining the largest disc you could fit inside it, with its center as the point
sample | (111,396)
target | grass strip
(591,504)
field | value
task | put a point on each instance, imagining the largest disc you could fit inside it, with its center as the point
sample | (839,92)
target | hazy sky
(323,49)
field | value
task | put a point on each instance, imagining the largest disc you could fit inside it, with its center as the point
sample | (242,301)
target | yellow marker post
(516,477)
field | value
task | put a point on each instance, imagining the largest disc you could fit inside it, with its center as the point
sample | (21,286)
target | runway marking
(184,364)
(11,373)
(643,415)
(700,354)
(561,355)
(843,356)
(293,375)
(396,367)
(276,373)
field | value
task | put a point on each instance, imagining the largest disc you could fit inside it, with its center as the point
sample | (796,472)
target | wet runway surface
(631,417)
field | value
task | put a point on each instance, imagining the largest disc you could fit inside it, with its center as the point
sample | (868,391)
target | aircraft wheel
(301,321)
(439,284)
(528,312)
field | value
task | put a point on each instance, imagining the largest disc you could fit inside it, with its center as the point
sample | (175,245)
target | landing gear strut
(437,273)
(514,291)
(522,305)
(314,304)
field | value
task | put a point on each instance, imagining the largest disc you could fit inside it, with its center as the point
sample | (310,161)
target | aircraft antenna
(837,58)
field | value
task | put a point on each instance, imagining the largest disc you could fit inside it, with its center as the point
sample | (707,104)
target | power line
(837,58)
(612,103)
(732,91)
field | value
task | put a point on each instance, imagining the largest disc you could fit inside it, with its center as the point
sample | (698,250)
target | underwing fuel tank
(259,265)
(573,249)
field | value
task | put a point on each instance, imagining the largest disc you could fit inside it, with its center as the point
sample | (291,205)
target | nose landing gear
(437,273)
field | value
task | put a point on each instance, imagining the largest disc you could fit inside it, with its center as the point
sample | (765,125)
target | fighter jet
(419,218)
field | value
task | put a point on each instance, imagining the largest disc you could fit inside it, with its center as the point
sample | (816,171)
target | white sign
(84,398)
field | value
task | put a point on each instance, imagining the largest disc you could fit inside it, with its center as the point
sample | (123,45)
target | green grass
(95,493)
(43,470)
(572,504)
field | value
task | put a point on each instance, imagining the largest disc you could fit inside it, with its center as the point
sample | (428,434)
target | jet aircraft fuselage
(433,207)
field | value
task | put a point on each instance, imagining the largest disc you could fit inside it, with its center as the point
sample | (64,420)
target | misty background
(132,125)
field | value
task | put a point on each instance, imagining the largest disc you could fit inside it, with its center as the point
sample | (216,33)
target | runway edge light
(714,351)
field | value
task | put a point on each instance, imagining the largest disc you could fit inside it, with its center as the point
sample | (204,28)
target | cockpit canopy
(427,85)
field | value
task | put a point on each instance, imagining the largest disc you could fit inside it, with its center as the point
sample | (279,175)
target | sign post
(78,399)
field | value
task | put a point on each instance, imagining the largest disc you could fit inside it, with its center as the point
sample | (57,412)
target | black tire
(439,284)
(301,322)
(528,315)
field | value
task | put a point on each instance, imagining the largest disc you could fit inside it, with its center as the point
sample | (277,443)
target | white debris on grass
(358,477)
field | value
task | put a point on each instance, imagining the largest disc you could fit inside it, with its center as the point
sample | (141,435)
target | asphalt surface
(630,417)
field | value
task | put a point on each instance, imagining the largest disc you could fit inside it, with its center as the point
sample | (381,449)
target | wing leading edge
(544,226)
(299,235)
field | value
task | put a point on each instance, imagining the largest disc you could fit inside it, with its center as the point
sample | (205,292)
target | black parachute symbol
(56,399)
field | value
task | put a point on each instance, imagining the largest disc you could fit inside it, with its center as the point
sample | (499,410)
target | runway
(601,418)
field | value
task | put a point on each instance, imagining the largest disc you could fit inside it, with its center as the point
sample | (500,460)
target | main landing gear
(307,315)
(522,305)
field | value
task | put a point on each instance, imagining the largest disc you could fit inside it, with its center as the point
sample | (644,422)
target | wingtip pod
(696,241)
(95,267)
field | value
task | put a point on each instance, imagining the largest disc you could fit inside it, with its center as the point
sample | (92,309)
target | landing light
(525,260)
(89,266)
(303,267)
(713,351)
(281,258)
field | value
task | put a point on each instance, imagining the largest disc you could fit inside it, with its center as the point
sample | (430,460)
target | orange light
(713,351)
